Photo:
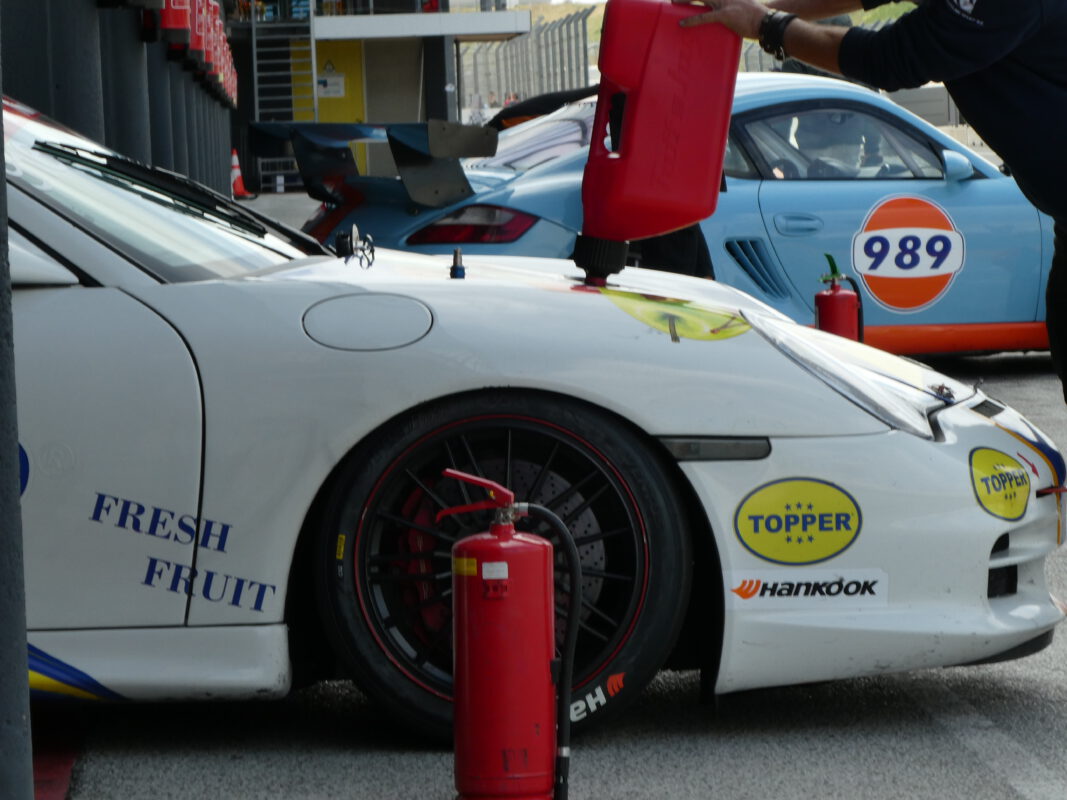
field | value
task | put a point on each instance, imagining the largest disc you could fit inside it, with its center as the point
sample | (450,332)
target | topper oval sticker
(1001,484)
(797,521)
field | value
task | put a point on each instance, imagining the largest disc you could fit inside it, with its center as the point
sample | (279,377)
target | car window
(839,144)
(166,233)
(735,163)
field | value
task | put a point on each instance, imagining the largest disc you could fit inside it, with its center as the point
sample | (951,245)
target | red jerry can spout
(659,135)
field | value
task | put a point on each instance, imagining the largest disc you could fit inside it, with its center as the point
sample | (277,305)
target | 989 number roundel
(908,253)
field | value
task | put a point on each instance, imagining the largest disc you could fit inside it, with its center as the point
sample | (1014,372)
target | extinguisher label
(495,571)
(465,566)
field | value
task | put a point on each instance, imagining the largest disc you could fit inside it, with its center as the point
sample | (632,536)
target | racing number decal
(907,253)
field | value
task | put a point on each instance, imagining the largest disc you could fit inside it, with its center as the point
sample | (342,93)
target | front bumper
(924,571)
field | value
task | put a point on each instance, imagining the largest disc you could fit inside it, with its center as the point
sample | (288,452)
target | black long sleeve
(1005,65)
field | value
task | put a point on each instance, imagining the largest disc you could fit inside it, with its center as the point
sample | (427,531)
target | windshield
(542,139)
(171,227)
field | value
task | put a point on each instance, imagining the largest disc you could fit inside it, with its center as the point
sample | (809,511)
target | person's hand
(743,17)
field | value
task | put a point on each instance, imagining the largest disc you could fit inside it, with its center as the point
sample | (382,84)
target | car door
(737,239)
(927,248)
(109,418)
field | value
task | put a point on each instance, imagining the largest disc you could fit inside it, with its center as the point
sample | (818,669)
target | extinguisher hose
(570,641)
(859,301)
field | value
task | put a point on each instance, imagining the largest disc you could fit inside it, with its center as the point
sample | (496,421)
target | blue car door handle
(794,224)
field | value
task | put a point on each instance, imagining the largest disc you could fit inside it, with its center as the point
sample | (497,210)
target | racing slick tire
(384,579)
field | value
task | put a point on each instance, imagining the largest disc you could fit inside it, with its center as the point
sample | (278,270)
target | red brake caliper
(419,509)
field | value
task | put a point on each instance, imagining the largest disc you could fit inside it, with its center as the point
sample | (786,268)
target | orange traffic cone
(236,181)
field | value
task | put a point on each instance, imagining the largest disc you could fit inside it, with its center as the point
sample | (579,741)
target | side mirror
(957,166)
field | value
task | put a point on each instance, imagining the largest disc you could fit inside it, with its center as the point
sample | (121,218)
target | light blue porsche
(948,254)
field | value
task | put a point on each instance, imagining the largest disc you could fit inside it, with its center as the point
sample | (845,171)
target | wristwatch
(772,32)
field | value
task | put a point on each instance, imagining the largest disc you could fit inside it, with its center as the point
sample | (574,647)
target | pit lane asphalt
(964,733)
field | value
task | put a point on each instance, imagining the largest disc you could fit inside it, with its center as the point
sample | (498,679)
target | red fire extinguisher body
(504,643)
(837,310)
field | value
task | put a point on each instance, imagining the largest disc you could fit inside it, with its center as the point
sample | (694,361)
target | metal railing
(553,56)
(286,10)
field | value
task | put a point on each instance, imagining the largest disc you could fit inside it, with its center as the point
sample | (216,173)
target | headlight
(898,392)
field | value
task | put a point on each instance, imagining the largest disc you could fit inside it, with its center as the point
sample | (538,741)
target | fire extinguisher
(511,739)
(839,310)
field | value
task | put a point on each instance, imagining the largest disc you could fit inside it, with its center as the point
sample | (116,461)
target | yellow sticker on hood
(1001,484)
(679,318)
(797,521)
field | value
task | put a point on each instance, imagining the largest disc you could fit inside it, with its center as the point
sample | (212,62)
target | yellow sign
(1001,484)
(679,318)
(797,521)
(465,566)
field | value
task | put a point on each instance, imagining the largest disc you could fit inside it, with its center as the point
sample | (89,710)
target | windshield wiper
(194,195)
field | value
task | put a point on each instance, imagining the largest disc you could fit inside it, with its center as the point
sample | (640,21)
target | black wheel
(385,581)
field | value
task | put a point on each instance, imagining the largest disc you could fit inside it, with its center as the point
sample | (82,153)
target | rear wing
(426,154)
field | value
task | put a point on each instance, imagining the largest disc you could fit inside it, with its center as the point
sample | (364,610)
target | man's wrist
(772,32)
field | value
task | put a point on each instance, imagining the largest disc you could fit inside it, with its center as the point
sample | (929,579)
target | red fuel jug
(667,92)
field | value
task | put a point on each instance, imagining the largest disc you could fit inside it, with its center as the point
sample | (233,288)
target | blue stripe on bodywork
(61,672)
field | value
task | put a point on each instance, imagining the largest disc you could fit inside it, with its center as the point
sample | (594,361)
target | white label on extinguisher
(494,570)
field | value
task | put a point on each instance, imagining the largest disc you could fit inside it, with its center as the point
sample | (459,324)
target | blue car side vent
(755,260)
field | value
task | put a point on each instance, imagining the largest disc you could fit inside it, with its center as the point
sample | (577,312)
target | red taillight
(327,217)
(475,225)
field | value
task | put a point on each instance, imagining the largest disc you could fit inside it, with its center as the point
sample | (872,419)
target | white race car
(232,445)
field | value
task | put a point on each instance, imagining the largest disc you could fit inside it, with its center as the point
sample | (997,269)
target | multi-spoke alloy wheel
(386,582)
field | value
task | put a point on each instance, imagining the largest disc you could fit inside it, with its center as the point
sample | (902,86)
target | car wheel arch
(311,649)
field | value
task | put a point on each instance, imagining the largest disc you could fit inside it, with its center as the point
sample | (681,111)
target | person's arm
(934,42)
(813,44)
(817,9)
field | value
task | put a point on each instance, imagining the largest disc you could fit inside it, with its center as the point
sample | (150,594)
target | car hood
(668,307)
(674,355)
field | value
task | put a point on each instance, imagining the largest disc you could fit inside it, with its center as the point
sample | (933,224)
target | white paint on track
(1012,762)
